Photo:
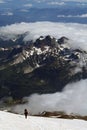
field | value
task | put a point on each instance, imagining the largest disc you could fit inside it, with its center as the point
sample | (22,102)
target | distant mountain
(43,66)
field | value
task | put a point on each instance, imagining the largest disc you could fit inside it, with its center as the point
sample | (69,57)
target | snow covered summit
(9,121)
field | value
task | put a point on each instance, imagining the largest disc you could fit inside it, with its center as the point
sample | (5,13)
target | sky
(9,121)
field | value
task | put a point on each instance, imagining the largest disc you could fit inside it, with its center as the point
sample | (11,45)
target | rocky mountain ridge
(43,66)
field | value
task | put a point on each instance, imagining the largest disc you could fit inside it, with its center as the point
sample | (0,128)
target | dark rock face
(47,41)
(63,40)
(45,66)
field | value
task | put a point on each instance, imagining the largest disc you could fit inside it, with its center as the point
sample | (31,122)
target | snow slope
(9,121)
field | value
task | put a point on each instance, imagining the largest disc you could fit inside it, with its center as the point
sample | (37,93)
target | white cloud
(2,1)
(24,10)
(81,4)
(73,99)
(75,0)
(71,16)
(39,1)
(60,0)
(84,15)
(76,32)
(8,13)
(28,5)
(56,3)
(5,2)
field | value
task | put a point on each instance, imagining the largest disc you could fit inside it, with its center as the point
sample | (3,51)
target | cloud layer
(73,16)
(73,99)
(77,33)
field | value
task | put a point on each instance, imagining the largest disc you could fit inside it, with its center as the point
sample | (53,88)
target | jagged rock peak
(63,40)
(46,41)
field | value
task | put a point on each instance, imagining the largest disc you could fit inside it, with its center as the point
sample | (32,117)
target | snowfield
(9,121)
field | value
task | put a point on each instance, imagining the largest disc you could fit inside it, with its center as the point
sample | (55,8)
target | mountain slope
(9,121)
